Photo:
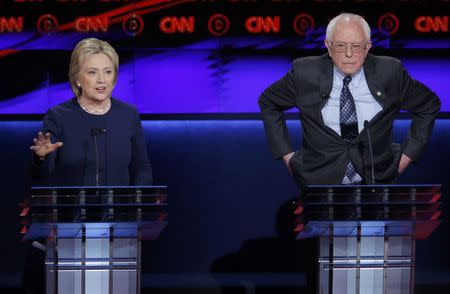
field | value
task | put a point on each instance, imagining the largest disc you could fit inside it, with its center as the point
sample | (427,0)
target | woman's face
(96,78)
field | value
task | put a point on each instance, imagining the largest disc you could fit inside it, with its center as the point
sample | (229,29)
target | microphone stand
(366,125)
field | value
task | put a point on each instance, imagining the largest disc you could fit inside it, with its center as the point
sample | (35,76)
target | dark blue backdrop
(227,198)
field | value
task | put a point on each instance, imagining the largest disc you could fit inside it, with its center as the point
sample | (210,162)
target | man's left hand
(405,161)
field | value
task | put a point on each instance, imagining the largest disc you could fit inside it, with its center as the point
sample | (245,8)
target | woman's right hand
(43,146)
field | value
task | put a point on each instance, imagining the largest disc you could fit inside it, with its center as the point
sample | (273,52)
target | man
(342,96)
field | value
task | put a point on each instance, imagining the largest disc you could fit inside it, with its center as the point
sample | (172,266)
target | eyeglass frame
(352,47)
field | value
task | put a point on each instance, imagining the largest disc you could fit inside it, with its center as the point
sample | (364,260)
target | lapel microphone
(97,131)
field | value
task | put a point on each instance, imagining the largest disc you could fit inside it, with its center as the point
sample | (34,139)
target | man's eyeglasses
(342,47)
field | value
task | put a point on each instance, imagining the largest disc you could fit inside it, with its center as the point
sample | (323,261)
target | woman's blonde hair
(85,48)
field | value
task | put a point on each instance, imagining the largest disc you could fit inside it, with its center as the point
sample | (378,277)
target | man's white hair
(347,17)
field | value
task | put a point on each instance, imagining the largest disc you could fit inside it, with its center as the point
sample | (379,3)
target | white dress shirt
(366,105)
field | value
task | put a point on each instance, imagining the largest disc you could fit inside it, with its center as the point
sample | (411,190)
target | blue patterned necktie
(348,121)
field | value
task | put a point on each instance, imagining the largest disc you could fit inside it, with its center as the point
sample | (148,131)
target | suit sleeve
(140,167)
(424,105)
(41,170)
(280,96)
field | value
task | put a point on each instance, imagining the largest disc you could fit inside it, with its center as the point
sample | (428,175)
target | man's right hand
(286,159)
(43,146)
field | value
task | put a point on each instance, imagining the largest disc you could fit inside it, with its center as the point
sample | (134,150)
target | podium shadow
(278,264)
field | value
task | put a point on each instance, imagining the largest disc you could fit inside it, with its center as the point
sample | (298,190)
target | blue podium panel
(367,234)
(93,234)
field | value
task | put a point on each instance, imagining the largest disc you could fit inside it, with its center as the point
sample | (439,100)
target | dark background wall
(172,67)
(228,205)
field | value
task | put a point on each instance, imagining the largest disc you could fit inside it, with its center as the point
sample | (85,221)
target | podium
(93,234)
(366,234)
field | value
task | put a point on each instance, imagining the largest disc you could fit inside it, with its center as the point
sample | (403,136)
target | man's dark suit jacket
(323,156)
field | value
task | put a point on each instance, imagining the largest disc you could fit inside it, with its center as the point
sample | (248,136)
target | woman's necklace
(98,110)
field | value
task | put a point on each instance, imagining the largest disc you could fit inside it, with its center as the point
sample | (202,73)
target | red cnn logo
(11,25)
(426,24)
(91,24)
(259,24)
(173,24)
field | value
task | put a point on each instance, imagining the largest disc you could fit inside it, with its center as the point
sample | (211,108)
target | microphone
(325,95)
(94,133)
(366,126)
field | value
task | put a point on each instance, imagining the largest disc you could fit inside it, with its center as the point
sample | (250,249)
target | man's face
(348,46)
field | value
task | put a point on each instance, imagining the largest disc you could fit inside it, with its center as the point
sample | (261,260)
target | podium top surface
(95,187)
(51,191)
(372,194)
(378,187)
(90,196)
(403,209)
(127,209)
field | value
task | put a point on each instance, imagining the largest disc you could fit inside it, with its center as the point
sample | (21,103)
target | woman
(92,139)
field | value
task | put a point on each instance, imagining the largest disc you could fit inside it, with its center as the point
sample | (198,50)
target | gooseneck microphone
(366,126)
(94,133)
